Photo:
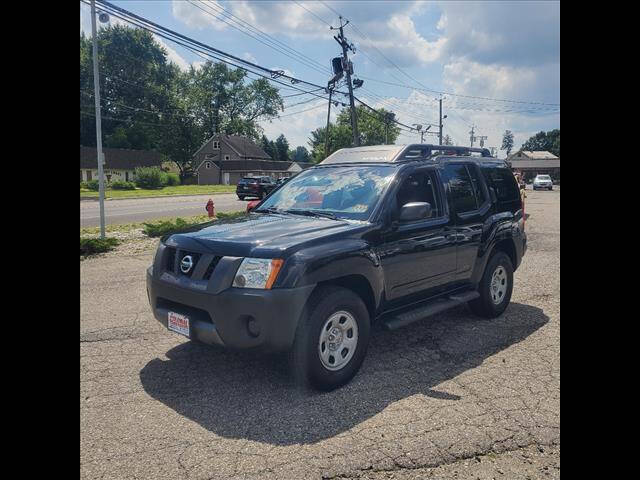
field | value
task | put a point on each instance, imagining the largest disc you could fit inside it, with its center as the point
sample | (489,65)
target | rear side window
(477,184)
(504,183)
(461,187)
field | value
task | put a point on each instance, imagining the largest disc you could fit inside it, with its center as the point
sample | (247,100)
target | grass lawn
(176,190)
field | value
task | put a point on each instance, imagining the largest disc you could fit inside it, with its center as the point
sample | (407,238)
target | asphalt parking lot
(451,396)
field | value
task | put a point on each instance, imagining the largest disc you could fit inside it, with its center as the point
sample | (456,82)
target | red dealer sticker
(178,323)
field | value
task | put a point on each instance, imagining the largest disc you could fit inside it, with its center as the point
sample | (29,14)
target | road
(142,209)
(452,396)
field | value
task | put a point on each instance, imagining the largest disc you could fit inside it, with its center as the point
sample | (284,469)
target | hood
(261,234)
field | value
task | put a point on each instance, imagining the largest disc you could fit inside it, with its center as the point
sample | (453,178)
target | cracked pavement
(451,396)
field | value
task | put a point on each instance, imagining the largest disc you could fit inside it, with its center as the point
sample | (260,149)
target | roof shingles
(119,158)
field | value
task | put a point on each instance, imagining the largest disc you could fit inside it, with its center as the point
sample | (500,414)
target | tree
(544,141)
(135,79)
(300,154)
(282,149)
(447,140)
(507,141)
(148,103)
(371,128)
(268,146)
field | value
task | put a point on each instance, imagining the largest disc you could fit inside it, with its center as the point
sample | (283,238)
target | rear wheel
(240,197)
(495,287)
(331,339)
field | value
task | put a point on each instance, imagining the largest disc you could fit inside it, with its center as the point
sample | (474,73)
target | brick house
(120,163)
(225,159)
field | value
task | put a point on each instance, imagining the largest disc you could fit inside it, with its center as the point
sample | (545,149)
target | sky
(486,59)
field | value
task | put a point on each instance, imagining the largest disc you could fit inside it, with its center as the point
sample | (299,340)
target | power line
(247,30)
(424,87)
(321,19)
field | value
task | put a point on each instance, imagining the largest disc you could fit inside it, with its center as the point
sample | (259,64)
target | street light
(104,17)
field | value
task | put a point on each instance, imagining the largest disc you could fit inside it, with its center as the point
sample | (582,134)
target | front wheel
(240,197)
(495,287)
(331,339)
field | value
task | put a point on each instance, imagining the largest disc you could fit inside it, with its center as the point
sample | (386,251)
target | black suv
(388,234)
(258,187)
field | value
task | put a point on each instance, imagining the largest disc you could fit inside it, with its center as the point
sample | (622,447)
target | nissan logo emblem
(186,263)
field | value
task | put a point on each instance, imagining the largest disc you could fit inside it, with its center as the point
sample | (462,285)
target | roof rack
(427,151)
(399,153)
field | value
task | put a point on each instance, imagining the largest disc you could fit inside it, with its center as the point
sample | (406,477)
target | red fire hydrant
(211,208)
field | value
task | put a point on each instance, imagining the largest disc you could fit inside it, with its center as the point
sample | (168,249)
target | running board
(437,306)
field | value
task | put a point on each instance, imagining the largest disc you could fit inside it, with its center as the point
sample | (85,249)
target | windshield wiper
(315,213)
(271,210)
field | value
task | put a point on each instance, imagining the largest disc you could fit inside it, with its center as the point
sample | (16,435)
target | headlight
(257,273)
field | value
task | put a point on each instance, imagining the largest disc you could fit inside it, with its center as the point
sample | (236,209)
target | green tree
(507,141)
(371,128)
(282,148)
(135,79)
(300,154)
(223,101)
(268,146)
(544,141)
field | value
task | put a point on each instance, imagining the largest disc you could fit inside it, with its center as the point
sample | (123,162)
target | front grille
(171,259)
(195,256)
(172,265)
(212,267)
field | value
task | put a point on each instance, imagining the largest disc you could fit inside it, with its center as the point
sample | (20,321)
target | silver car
(542,181)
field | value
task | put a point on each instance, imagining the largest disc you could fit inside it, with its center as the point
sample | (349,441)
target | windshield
(349,192)
(544,177)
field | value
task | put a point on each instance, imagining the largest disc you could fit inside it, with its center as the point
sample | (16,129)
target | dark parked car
(258,187)
(388,234)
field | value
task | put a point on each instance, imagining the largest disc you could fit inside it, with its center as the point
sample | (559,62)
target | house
(225,159)
(120,163)
(531,164)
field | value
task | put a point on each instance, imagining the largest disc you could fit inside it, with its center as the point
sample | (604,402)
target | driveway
(142,209)
(450,396)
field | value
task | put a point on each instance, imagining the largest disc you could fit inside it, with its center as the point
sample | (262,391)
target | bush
(83,185)
(89,246)
(150,177)
(121,185)
(93,185)
(173,179)
(166,227)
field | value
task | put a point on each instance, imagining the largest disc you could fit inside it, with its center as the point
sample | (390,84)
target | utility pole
(440,135)
(96,88)
(348,69)
(326,133)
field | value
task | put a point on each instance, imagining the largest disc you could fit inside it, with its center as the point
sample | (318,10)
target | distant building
(531,164)
(120,163)
(225,159)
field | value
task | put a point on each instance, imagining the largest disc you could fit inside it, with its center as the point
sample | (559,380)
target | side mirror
(415,211)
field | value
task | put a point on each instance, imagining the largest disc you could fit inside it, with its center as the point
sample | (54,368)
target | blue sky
(498,50)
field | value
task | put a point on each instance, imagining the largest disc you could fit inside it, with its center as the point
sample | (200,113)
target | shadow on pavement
(247,395)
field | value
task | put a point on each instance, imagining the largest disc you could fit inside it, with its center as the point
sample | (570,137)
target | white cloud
(249,57)
(197,16)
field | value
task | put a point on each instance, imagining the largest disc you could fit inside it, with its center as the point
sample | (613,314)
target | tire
(485,306)
(305,357)
(240,197)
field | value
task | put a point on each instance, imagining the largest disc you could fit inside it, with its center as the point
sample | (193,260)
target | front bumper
(239,318)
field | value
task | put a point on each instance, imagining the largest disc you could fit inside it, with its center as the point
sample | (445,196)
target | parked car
(258,187)
(282,181)
(542,181)
(388,234)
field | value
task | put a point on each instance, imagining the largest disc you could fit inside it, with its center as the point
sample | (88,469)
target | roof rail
(425,151)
